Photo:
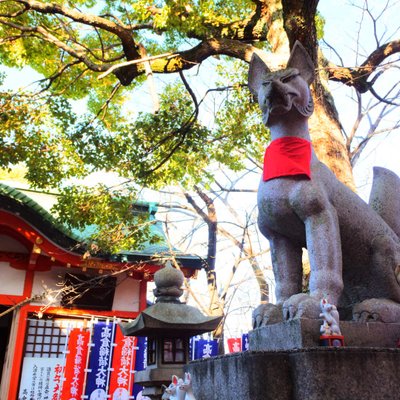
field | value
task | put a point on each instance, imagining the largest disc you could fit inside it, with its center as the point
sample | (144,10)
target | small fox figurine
(179,389)
(330,316)
(186,387)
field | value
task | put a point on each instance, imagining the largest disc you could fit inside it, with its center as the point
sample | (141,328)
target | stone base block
(304,333)
(310,374)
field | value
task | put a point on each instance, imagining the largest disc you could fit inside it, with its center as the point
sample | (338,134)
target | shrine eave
(49,243)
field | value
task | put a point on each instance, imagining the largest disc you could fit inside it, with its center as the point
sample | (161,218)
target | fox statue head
(278,92)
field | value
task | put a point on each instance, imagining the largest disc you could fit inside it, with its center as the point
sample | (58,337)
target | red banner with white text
(234,345)
(75,364)
(123,363)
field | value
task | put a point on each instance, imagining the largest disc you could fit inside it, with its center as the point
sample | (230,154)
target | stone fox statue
(354,249)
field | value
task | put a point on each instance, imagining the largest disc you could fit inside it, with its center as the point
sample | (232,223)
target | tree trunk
(210,218)
(328,141)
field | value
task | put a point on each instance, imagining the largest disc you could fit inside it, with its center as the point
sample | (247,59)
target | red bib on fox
(287,156)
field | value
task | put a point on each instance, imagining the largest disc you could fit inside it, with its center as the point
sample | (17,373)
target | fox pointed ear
(300,59)
(174,379)
(257,71)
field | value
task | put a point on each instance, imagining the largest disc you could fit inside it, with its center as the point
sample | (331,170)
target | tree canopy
(102,55)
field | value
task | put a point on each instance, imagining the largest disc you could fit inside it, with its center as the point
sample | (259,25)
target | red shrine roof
(49,243)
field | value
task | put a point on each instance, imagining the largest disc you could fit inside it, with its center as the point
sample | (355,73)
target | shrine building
(51,294)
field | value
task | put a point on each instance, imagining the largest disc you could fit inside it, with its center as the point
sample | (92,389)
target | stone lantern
(168,325)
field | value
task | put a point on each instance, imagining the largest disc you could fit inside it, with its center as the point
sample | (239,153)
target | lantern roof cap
(168,316)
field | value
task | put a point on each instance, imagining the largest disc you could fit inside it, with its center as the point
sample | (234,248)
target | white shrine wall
(12,280)
(126,296)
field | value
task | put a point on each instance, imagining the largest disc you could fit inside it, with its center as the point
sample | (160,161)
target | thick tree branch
(189,58)
(129,46)
(179,61)
(217,38)
(254,27)
(183,60)
(150,81)
(84,18)
(131,27)
(357,77)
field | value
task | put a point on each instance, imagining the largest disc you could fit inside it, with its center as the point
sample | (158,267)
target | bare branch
(335,51)
(376,95)
(373,130)
(358,76)
(192,95)
(57,74)
(356,124)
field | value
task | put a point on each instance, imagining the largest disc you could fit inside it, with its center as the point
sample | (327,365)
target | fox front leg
(288,272)
(287,265)
(325,255)
(322,234)
(310,201)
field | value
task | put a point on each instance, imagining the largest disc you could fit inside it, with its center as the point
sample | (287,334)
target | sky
(343,21)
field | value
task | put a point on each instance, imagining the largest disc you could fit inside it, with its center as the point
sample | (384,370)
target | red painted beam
(44,253)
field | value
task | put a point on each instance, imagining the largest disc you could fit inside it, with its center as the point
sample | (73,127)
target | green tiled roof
(147,252)
(21,197)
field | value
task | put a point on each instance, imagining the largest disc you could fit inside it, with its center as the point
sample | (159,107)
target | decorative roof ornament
(168,281)
(169,316)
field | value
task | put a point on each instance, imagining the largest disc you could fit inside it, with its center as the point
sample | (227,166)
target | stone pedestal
(286,363)
(304,333)
(308,374)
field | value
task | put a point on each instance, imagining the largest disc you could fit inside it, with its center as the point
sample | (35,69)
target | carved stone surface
(385,197)
(354,254)
(304,333)
(168,281)
(312,374)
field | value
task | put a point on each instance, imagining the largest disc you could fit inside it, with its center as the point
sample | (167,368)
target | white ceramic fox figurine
(186,387)
(172,391)
(330,317)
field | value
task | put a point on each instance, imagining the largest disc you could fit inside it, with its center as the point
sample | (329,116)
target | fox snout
(274,90)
